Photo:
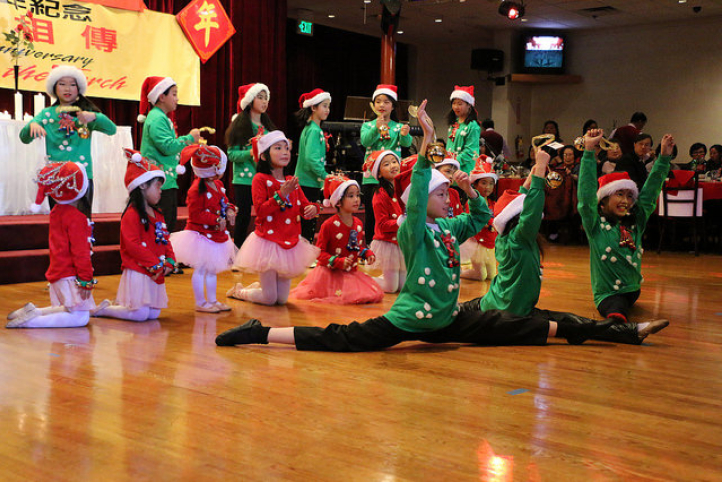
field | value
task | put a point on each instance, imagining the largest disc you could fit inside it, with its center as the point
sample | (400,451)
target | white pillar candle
(39,103)
(18,106)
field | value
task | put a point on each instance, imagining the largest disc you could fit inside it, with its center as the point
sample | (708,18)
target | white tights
(201,279)
(392,280)
(274,290)
(124,313)
(58,317)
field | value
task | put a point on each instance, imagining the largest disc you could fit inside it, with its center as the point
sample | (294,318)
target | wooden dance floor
(159,401)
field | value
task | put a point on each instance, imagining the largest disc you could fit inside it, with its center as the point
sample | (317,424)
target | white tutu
(258,255)
(137,290)
(196,250)
(65,292)
(388,256)
(467,250)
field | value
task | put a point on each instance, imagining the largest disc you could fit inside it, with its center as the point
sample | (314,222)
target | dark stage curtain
(256,53)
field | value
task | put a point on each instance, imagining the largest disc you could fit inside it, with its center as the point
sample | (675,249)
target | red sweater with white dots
(280,224)
(206,209)
(386,211)
(338,242)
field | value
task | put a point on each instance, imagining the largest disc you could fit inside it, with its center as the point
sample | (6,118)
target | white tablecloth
(20,162)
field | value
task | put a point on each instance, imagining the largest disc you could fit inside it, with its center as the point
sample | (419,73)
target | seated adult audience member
(697,153)
(551,127)
(650,163)
(627,134)
(634,162)
(611,157)
(714,163)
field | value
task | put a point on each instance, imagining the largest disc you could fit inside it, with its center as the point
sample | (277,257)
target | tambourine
(554,179)
(209,130)
(540,141)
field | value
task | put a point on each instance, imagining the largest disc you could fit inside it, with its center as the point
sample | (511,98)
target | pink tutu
(388,256)
(338,287)
(137,290)
(199,252)
(258,255)
(65,292)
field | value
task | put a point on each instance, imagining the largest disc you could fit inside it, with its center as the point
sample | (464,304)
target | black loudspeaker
(490,60)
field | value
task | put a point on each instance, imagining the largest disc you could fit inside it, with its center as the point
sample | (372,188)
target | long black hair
(137,200)
(472,116)
(83,102)
(387,186)
(240,131)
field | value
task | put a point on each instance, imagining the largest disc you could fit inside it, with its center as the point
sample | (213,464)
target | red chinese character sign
(206,25)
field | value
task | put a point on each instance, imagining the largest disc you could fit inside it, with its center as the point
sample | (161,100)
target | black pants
(85,205)
(308,226)
(471,325)
(244,202)
(169,206)
(618,305)
(369,218)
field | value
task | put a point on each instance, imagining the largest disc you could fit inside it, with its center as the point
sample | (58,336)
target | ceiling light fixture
(511,10)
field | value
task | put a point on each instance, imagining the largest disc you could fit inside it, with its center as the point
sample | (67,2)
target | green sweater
(616,269)
(161,145)
(517,285)
(428,300)
(465,145)
(61,148)
(310,169)
(244,166)
(371,140)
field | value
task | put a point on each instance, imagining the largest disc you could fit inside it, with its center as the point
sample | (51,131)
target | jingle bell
(435,152)
(554,179)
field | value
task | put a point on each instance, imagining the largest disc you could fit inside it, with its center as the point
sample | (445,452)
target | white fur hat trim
(511,210)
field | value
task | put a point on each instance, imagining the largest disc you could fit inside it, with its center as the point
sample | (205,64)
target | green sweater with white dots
(429,299)
(161,145)
(64,144)
(614,268)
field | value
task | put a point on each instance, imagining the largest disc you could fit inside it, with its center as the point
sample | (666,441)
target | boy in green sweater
(427,307)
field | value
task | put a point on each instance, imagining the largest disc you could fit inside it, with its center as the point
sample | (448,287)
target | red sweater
(333,239)
(141,249)
(487,236)
(69,240)
(455,203)
(205,210)
(283,227)
(386,211)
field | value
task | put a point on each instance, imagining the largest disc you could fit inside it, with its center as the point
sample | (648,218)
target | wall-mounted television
(543,53)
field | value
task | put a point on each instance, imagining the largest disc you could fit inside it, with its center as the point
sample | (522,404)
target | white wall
(672,73)
(435,69)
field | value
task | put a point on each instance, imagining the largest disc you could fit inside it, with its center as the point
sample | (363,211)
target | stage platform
(159,401)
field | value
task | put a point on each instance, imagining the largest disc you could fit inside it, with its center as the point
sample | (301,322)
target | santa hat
(613,182)
(150,91)
(65,71)
(206,161)
(65,182)
(448,161)
(139,170)
(315,97)
(334,187)
(509,205)
(259,145)
(484,168)
(386,89)
(437,179)
(248,92)
(373,162)
(464,93)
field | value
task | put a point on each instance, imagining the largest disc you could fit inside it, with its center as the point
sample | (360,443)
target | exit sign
(305,28)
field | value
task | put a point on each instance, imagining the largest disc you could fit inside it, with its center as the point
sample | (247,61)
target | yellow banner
(116,49)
